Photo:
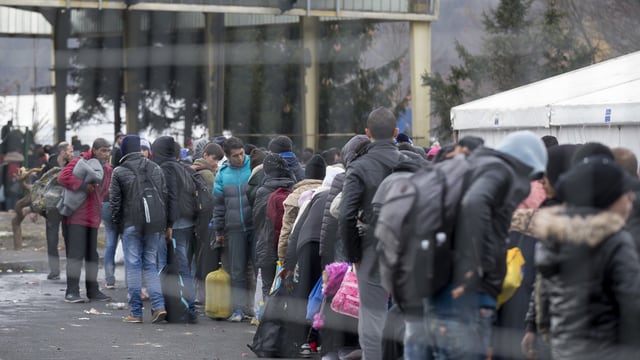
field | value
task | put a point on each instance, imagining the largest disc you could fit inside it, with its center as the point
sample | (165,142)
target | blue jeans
(111,242)
(439,336)
(242,249)
(140,260)
(183,240)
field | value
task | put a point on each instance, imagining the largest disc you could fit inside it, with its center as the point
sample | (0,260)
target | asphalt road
(36,323)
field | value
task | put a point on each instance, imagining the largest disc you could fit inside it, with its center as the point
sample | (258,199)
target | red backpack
(275,211)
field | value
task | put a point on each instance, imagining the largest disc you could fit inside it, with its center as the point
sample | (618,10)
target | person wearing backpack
(276,186)
(180,211)
(52,216)
(498,180)
(136,185)
(233,220)
(363,175)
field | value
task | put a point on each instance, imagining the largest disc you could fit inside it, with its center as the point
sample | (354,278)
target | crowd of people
(570,209)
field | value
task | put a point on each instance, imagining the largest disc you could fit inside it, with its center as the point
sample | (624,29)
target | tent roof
(603,93)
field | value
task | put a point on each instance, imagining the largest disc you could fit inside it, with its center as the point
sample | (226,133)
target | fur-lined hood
(578,226)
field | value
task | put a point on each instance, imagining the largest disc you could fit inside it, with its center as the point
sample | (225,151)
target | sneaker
(193,318)
(236,316)
(53,276)
(305,350)
(73,298)
(132,319)
(158,316)
(110,286)
(99,296)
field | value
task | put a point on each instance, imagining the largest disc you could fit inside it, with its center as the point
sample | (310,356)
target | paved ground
(36,323)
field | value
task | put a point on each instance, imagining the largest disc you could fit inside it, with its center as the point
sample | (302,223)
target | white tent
(600,103)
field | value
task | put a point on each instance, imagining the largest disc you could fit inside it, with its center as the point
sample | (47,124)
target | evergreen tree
(519,49)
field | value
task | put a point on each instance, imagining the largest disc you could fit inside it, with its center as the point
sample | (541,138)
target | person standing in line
(140,241)
(363,175)
(233,220)
(52,216)
(83,223)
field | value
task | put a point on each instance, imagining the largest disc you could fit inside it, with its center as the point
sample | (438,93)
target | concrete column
(131,34)
(214,39)
(420,57)
(310,90)
(61,32)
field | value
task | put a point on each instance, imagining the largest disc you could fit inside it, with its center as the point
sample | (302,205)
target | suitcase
(218,294)
(173,288)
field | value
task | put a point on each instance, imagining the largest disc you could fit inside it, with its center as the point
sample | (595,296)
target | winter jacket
(594,283)
(232,211)
(265,247)
(125,195)
(291,209)
(294,165)
(331,246)
(362,178)
(255,182)
(88,214)
(203,169)
(310,227)
(498,184)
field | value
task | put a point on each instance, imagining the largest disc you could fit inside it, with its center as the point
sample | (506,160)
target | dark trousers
(82,244)
(52,232)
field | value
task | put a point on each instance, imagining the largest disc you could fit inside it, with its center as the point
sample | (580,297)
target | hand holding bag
(347,301)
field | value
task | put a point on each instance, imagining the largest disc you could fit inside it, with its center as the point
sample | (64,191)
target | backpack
(46,192)
(513,277)
(202,197)
(416,215)
(151,204)
(185,188)
(275,211)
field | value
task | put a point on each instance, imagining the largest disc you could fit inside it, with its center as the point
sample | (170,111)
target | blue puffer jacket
(232,210)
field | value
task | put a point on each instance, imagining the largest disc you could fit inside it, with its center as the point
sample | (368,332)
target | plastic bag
(347,301)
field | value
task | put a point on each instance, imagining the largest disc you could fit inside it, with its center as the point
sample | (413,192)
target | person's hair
(329,155)
(626,159)
(381,124)
(100,143)
(232,143)
(62,147)
(214,149)
(549,141)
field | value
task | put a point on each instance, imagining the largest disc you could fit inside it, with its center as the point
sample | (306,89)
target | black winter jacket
(593,273)
(124,194)
(308,228)
(362,178)
(266,250)
(497,184)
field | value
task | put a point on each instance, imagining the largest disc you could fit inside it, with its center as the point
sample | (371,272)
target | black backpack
(185,188)
(202,197)
(416,215)
(151,207)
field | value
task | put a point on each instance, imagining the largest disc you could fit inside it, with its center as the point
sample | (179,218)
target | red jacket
(88,214)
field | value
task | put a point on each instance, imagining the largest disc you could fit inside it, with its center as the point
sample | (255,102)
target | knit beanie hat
(130,144)
(526,147)
(145,144)
(596,181)
(316,168)
(592,149)
(275,166)
(280,144)
(559,160)
(471,142)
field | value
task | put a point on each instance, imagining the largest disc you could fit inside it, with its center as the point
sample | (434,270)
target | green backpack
(46,192)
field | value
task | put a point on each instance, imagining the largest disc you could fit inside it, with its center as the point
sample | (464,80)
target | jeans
(140,260)
(82,244)
(53,220)
(465,335)
(183,240)
(241,250)
(111,242)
